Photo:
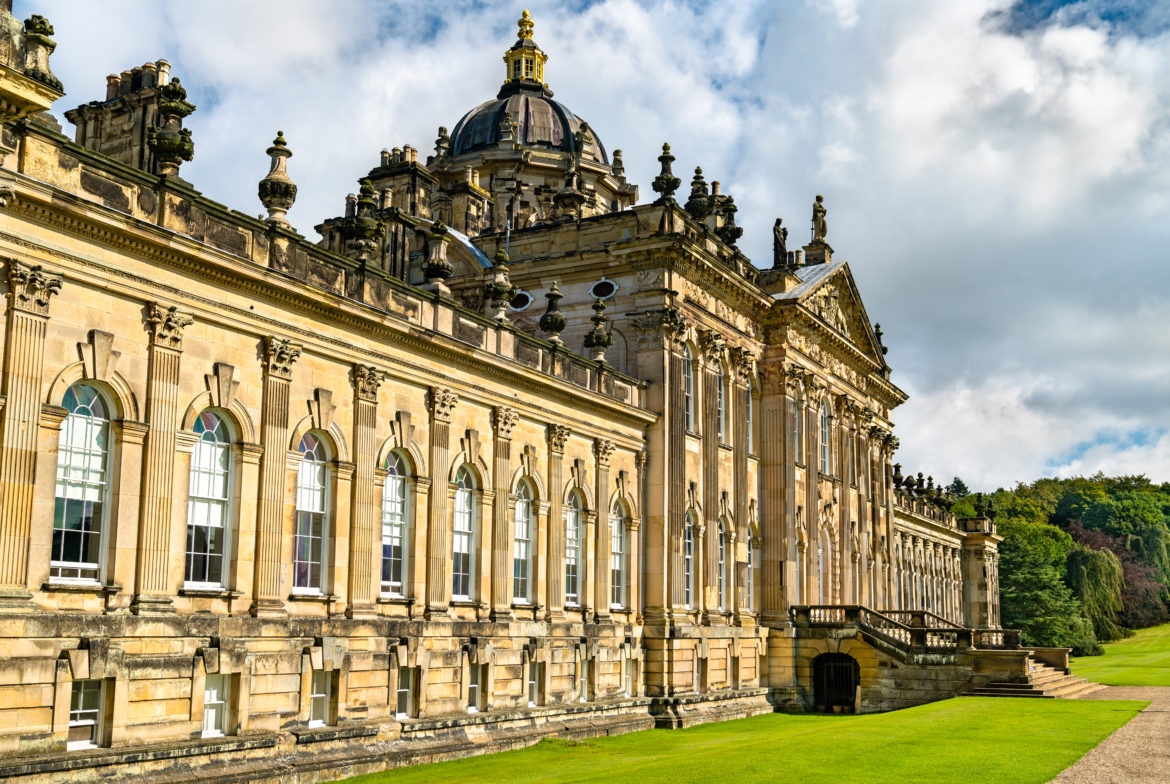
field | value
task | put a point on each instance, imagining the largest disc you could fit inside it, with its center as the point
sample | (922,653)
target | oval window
(603,289)
(521,301)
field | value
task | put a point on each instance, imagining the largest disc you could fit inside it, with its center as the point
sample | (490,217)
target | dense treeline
(1083,560)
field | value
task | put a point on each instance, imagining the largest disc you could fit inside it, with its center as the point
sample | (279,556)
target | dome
(541,122)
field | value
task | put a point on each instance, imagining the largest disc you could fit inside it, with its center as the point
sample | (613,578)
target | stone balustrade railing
(912,631)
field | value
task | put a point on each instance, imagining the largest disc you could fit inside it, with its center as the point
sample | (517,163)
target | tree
(959,488)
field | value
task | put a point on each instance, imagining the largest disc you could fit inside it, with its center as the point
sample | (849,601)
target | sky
(997,172)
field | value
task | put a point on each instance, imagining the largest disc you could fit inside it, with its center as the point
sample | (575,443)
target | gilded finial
(525,23)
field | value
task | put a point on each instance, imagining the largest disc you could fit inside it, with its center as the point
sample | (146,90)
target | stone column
(602,451)
(740,487)
(557,436)
(504,418)
(279,356)
(166,325)
(676,493)
(442,403)
(364,535)
(778,568)
(707,588)
(634,535)
(30,290)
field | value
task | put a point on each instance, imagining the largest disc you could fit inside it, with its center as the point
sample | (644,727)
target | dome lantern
(524,62)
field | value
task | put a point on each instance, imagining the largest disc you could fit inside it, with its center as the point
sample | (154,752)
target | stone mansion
(508,453)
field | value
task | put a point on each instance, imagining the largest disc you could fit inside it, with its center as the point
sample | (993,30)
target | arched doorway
(836,678)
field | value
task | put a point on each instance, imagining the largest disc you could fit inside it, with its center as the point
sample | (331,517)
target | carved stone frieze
(280,354)
(657,328)
(30,288)
(166,324)
(442,403)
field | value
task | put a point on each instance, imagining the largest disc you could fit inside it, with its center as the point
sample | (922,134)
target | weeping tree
(1097,579)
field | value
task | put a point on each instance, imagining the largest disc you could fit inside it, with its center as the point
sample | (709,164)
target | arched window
(688,388)
(463,536)
(573,565)
(826,463)
(395,526)
(750,415)
(209,504)
(79,515)
(311,548)
(617,557)
(522,547)
(721,573)
(689,561)
(798,429)
(720,403)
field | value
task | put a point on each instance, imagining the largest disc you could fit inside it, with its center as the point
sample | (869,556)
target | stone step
(988,691)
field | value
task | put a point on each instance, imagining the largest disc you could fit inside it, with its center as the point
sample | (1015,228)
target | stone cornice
(265,284)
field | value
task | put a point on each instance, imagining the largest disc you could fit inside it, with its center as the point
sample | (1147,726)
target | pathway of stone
(1138,753)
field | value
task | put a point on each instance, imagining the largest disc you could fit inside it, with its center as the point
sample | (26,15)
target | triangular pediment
(829,295)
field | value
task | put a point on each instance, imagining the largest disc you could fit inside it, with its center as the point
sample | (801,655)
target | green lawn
(1014,741)
(1142,660)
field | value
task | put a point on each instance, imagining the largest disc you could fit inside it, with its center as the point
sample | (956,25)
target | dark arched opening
(836,678)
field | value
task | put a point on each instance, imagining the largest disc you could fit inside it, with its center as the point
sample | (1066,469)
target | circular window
(603,289)
(521,301)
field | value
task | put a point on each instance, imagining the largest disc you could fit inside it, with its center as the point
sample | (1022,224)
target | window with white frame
(720,403)
(721,573)
(86,714)
(217,691)
(753,564)
(311,544)
(395,526)
(209,504)
(583,679)
(617,557)
(522,546)
(826,463)
(406,693)
(573,565)
(80,514)
(476,683)
(688,388)
(627,675)
(463,536)
(689,561)
(320,697)
(535,684)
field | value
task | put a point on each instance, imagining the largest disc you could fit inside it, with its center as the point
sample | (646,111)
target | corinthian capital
(603,450)
(280,354)
(443,402)
(30,287)
(366,380)
(166,325)
(557,436)
(505,418)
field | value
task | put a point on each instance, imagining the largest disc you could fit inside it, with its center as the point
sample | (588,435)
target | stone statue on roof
(779,244)
(820,225)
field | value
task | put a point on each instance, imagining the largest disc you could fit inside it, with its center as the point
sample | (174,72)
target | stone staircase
(1044,681)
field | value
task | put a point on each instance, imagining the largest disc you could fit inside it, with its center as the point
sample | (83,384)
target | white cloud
(1004,199)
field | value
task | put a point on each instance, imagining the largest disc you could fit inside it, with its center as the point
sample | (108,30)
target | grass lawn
(988,740)
(1141,660)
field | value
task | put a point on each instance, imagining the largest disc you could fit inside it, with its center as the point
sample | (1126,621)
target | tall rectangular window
(86,714)
(320,699)
(217,694)
(535,684)
(583,679)
(522,547)
(79,513)
(476,687)
(617,559)
(209,502)
(311,544)
(406,695)
(394,527)
(463,536)
(573,551)
(627,676)
(688,562)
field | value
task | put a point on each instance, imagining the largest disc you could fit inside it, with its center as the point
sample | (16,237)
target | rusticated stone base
(326,754)
(691,709)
